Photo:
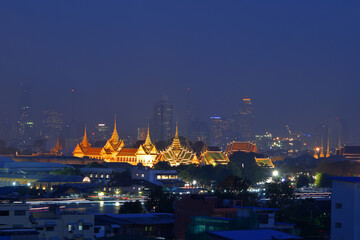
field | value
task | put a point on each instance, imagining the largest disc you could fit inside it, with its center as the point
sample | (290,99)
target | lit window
(107,176)
(142,175)
(91,175)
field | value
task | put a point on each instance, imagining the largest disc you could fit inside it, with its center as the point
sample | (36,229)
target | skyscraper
(52,123)
(244,121)
(220,131)
(162,121)
(25,123)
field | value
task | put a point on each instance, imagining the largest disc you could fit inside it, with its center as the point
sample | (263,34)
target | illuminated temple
(115,151)
(177,154)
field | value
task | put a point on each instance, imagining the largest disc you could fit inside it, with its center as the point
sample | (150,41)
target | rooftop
(260,234)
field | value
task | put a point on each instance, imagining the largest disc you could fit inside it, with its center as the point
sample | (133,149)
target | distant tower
(52,123)
(162,120)
(25,123)
(322,149)
(328,147)
(187,116)
(316,154)
(244,121)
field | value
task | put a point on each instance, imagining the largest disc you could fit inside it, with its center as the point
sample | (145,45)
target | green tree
(67,171)
(323,180)
(131,207)
(160,201)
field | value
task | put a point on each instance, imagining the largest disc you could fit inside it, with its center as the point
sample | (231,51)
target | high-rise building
(220,131)
(52,123)
(26,124)
(102,131)
(162,121)
(141,133)
(198,131)
(243,124)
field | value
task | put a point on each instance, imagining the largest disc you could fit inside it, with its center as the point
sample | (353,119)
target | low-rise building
(345,208)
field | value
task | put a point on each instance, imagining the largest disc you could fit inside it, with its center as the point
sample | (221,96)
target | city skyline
(109,59)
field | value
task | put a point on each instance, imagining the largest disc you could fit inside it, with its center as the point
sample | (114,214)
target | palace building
(177,154)
(235,146)
(213,156)
(115,151)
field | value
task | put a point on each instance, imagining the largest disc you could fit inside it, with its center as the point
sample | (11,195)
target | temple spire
(85,143)
(339,141)
(328,148)
(176,145)
(115,136)
(148,140)
(322,149)
(315,151)
(176,131)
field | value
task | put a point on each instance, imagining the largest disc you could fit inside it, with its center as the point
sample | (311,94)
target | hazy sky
(298,60)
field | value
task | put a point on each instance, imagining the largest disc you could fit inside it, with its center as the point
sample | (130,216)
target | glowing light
(117,204)
(101,203)
(101,194)
(28,184)
(13,183)
(275,173)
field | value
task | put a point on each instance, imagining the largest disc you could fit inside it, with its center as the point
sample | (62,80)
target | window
(50,229)
(4,213)
(142,175)
(91,175)
(19,213)
(107,176)
(338,225)
(39,228)
(80,227)
(338,205)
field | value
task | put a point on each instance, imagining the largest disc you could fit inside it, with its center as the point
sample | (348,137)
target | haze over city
(298,63)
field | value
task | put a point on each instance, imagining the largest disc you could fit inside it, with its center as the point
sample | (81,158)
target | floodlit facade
(177,154)
(115,151)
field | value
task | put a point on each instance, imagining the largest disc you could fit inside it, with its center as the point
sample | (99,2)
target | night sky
(298,60)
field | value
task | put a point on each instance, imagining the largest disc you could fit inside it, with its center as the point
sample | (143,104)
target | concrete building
(56,225)
(345,208)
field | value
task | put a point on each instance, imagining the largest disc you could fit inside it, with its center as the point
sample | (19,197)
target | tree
(131,207)
(279,193)
(236,188)
(67,171)
(323,180)
(160,201)
(120,179)
(302,181)
(162,165)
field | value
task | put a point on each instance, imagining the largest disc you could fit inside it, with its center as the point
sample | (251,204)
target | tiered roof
(177,154)
(240,146)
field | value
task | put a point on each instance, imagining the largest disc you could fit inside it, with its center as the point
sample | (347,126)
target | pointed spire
(115,136)
(176,131)
(316,150)
(328,148)
(339,141)
(148,140)
(85,143)
(322,149)
(176,145)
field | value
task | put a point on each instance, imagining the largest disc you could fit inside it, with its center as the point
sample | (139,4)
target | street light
(275,173)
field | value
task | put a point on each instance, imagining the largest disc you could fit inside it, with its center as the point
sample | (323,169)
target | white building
(345,208)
